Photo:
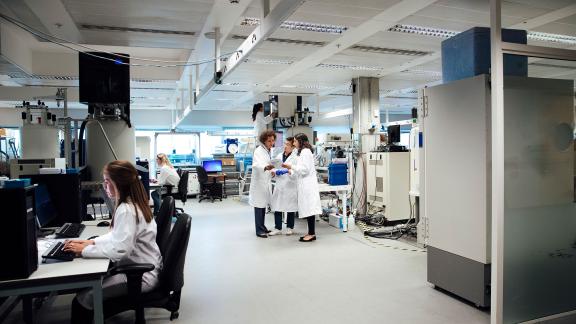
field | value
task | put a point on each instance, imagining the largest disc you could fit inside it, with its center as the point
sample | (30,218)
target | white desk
(342,192)
(56,276)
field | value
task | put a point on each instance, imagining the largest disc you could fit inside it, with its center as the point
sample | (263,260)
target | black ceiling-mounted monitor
(104,78)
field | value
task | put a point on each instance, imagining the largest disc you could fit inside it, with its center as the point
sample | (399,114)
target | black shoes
(302,239)
(262,235)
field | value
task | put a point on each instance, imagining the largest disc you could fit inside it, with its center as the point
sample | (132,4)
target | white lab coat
(260,124)
(260,185)
(168,176)
(285,196)
(127,242)
(308,194)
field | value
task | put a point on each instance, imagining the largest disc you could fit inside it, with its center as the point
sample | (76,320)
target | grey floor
(234,277)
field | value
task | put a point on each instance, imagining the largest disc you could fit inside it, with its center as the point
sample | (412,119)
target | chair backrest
(172,275)
(183,186)
(163,221)
(202,175)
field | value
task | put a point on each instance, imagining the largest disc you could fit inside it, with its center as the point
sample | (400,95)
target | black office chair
(182,190)
(208,189)
(167,294)
(163,221)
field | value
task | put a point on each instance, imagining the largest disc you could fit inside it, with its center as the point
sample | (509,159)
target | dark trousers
(278,220)
(80,314)
(259,214)
(157,201)
(311,225)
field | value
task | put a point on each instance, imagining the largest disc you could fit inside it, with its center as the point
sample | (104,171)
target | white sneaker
(274,232)
(288,231)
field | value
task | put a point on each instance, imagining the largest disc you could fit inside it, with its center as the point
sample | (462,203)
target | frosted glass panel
(540,214)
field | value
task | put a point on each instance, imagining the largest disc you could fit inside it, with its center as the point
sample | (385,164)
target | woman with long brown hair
(308,195)
(131,239)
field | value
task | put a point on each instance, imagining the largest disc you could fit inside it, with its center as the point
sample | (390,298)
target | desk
(80,273)
(342,191)
(219,176)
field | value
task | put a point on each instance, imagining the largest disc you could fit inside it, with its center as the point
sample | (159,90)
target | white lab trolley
(388,183)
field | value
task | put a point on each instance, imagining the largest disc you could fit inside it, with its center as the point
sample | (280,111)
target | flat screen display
(212,166)
(104,78)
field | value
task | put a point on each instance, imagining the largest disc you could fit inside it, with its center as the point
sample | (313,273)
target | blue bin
(337,174)
(16,183)
(468,54)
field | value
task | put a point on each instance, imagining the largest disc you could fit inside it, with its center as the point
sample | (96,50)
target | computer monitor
(65,196)
(212,166)
(45,211)
(393,134)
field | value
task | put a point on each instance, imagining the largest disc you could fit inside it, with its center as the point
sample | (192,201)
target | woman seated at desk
(132,238)
(168,177)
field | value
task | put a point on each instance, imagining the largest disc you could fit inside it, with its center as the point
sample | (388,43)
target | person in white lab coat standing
(308,195)
(260,121)
(285,196)
(132,238)
(261,185)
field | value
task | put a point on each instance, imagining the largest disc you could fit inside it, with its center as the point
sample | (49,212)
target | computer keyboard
(56,251)
(70,230)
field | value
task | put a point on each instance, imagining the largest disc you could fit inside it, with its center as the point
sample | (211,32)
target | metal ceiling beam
(526,24)
(269,24)
(223,15)
(380,22)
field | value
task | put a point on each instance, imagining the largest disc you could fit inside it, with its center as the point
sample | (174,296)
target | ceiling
(290,61)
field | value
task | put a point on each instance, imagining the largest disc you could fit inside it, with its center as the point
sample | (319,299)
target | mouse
(103,223)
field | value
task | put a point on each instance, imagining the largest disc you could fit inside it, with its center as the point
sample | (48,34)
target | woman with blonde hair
(168,177)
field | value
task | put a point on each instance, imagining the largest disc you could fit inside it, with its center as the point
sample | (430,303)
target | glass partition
(539,264)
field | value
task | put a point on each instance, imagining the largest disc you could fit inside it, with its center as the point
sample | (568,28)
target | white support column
(497,133)
(197,81)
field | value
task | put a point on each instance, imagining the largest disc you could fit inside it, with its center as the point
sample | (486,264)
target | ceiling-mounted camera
(234,1)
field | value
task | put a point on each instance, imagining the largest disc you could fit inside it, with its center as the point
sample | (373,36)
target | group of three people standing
(295,191)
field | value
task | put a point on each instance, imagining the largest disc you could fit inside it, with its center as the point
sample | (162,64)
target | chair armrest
(131,269)
(169,189)
(134,273)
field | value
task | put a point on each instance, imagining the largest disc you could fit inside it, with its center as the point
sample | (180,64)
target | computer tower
(19,237)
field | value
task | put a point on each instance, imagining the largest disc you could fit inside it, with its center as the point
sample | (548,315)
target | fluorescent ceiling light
(350,67)
(445,33)
(424,73)
(306,86)
(387,50)
(269,61)
(338,113)
(553,38)
(425,31)
(300,25)
(224,99)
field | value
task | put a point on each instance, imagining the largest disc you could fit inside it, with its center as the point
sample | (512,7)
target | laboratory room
(288,161)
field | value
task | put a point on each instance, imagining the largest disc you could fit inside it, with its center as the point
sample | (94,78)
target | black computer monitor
(65,196)
(393,134)
(212,166)
(45,211)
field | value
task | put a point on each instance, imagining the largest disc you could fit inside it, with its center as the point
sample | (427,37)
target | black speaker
(19,233)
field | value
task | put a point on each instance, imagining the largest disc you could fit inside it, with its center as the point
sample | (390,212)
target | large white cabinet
(388,183)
